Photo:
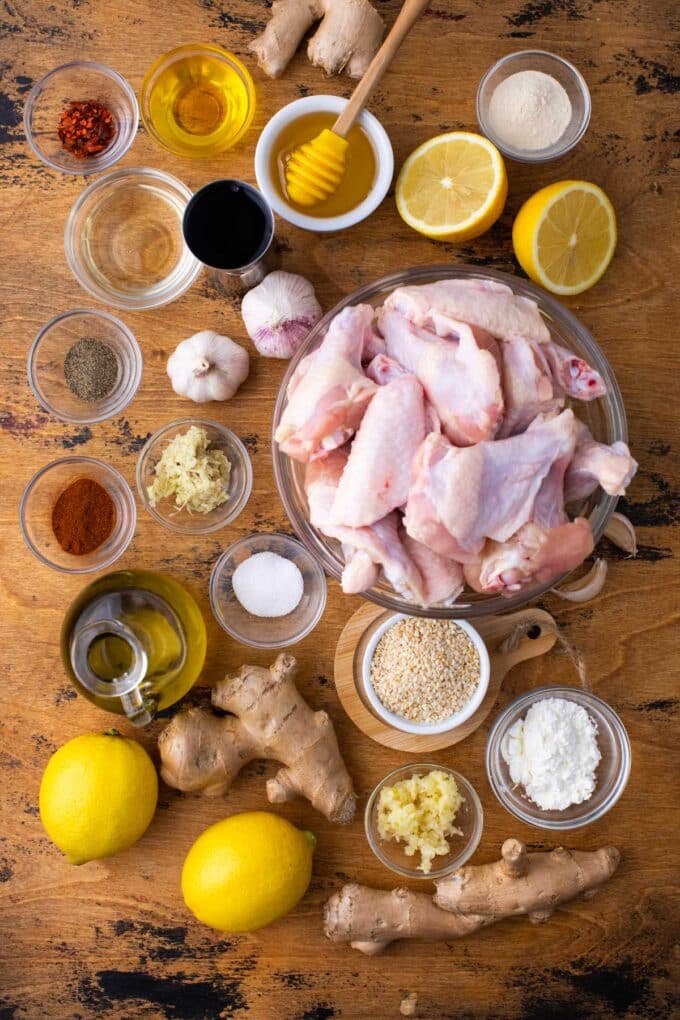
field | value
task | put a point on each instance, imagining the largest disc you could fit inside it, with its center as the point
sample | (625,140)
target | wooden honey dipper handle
(408,15)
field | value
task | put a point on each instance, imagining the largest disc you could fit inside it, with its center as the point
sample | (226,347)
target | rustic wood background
(113,938)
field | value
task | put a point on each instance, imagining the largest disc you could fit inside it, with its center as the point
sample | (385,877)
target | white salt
(267,584)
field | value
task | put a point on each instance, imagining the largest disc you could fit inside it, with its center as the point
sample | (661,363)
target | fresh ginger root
(202,752)
(346,40)
(470,898)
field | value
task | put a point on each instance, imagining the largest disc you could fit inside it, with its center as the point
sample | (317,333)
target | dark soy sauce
(227,225)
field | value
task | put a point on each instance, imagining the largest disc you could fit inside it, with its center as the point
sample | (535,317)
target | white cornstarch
(529,110)
(553,753)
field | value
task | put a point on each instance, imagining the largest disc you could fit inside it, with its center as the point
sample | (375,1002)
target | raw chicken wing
(532,556)
(442,577)
(377,477)
(461,379)
(379,544)
(595,464)
(487,490)
(328,393)
(484,303)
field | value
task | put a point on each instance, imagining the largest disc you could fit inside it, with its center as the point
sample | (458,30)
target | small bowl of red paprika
(81,117)
(77,515)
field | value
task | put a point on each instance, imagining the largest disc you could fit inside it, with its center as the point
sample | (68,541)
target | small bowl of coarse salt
(533,105)
(267,590)
(558,758)
(425,676)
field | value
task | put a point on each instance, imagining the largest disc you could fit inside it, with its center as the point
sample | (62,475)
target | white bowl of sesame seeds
(425,676)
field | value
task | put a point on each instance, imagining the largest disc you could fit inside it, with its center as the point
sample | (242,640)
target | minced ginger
(195,475)
(420,812)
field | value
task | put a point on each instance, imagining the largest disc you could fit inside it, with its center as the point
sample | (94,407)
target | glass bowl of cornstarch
(554,769)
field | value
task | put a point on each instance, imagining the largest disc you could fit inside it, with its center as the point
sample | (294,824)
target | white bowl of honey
(368,173)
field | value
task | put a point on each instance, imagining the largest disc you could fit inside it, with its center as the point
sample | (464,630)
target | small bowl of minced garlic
(194,476)
(424,821)
(425,676)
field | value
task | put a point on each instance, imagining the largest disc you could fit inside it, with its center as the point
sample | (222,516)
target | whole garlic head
(208,366)
(279,313)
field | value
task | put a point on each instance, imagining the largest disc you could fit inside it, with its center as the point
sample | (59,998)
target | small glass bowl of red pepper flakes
(81,117)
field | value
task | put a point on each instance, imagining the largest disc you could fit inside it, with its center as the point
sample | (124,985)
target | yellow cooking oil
(165,621)
(360,166)
(198,100)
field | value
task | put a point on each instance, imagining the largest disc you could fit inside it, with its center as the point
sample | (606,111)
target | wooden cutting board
(509,639)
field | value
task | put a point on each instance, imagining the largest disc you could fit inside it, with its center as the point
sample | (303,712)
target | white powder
(529,110)
(553,753)
(267,584)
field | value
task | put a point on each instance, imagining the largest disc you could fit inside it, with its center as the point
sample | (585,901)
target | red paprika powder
(83,517)
(86,128)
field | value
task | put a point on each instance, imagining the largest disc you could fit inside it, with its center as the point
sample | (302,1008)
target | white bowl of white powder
(533,105)
(558,758)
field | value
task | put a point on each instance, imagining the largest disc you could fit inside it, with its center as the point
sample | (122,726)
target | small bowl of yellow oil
(368,170)
(197,100)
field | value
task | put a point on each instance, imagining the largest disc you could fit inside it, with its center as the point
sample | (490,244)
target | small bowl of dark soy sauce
(229,227)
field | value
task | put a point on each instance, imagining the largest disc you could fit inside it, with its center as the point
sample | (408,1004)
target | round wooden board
(507,639)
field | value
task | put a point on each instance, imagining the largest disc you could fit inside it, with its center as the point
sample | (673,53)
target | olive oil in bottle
(360,165)
(134,642)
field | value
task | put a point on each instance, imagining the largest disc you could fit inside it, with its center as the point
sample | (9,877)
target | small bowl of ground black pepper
(77,515)
(425,676)
(81,118)
(84,366)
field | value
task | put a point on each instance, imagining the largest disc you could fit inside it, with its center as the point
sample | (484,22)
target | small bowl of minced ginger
(424,676)
(424,821)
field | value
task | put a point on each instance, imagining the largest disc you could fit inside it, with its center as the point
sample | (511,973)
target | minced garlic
(193,474)
(420,812)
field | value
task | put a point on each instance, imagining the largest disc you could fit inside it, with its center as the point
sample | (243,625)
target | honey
(360,167)
(197,100)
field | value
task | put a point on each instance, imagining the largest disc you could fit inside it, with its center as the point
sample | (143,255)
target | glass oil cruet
(134,642)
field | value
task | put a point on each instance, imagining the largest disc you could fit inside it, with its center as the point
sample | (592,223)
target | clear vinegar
(360,171)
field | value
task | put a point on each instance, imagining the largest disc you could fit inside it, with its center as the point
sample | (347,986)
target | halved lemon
(564,236)
(452,187)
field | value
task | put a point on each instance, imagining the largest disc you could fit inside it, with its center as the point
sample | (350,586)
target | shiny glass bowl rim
(230,511)
(465,787)
(600,513)
(125,397)
(588,701)
(216,573)
(170,57)
(114,152)
(556,150)
(128,497)
(180,279)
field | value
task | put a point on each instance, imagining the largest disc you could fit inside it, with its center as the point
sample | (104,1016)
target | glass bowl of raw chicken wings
(450,442)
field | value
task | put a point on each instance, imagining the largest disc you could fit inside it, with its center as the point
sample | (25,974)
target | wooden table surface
(113,938)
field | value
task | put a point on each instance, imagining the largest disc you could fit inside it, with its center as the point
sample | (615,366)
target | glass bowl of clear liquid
(124,240)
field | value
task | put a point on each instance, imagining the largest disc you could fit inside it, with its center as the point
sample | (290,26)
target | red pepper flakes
(86,128)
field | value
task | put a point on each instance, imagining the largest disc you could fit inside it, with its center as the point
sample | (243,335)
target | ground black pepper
(90,369)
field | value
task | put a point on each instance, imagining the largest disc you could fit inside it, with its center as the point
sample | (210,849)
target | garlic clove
(279,313)
(587,587)
(621,532)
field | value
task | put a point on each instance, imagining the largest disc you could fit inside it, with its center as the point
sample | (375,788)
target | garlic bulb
(279,313)
(208,366)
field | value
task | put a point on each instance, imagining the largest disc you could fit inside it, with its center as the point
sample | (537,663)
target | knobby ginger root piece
(471,898)
(370,919)
(346,40)
(201,752)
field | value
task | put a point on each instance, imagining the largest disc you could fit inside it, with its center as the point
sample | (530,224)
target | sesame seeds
(425,670)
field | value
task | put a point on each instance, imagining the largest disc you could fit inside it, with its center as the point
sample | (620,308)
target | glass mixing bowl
(605,418)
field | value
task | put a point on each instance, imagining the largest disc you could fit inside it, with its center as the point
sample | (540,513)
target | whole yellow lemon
(97,795)
(247,871)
